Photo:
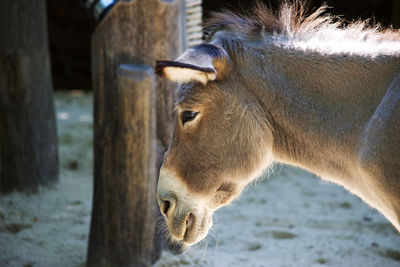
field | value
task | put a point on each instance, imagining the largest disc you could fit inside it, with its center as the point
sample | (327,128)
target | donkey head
(220,141)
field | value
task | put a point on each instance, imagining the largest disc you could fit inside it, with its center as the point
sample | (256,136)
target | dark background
(71,26)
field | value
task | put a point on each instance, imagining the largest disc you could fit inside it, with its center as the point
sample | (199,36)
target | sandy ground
(290,219)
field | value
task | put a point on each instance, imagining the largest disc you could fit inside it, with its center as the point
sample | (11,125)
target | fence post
(123,216)
(122,230)
(28,136)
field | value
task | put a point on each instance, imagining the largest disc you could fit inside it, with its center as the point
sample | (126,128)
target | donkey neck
(319,104)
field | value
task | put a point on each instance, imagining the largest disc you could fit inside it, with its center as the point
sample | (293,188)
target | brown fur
(336,114)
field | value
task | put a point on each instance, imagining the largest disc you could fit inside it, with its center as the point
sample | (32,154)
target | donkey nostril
(189,218)
(167,202)
(165,205)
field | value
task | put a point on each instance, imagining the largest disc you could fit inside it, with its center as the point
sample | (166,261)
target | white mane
(320,32)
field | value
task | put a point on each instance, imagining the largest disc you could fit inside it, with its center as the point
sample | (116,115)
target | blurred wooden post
(127,151)
(28,137)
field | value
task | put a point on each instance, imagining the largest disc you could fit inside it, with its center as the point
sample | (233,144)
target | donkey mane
(319,31)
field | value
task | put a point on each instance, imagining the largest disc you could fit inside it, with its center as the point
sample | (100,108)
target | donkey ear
(202,63)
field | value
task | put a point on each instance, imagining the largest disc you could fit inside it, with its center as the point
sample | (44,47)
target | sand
(291,218)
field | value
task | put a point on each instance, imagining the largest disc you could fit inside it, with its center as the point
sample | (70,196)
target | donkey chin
(188,217)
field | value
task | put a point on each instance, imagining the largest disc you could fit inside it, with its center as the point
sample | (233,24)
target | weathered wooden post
(132,125)
(122,230)
(28,138)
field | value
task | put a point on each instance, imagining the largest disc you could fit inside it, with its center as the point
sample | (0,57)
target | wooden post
(124,209)
(122,230)
(28,137)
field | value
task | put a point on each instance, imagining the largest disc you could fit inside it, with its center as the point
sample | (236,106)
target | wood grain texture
(28,137)
(142,32)
(133,120)
(122,230)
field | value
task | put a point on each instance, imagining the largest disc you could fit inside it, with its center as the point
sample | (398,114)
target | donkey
(305,90)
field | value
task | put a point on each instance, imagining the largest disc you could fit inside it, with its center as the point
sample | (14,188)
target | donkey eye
(188,115)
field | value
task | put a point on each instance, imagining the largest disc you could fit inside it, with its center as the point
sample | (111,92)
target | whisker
(205,247)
